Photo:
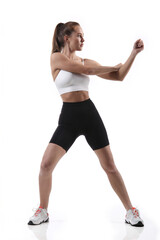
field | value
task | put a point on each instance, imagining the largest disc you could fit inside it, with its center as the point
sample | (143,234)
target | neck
(69,54)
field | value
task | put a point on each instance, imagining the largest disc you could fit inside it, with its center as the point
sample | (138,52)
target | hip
(73,113)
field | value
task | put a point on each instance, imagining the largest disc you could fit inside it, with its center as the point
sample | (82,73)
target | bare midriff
(76,96)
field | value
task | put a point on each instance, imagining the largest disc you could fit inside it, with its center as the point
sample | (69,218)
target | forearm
(122,72)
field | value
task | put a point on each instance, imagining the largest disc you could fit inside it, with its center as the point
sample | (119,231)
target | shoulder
(57,59)
(57,56)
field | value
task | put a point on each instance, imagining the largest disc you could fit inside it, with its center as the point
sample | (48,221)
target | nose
(82,40)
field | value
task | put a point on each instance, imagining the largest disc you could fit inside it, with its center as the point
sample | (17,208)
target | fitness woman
(79,115)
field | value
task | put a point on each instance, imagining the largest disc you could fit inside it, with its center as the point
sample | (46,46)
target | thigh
(106,158)
(64,136)
(96,134)
(51,156)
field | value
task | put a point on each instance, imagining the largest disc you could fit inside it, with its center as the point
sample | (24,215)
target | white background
(82,203)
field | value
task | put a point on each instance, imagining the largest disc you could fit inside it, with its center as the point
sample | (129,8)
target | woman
(79,115)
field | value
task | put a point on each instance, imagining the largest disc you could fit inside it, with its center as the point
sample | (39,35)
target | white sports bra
(70,82)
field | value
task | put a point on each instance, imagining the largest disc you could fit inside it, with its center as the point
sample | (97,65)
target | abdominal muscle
(76,96)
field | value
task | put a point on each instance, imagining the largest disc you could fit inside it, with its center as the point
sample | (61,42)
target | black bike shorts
(80,118)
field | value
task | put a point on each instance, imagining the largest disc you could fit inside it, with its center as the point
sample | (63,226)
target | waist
(76,96)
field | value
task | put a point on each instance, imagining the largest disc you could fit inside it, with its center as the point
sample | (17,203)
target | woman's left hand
(138,46)
(118,66)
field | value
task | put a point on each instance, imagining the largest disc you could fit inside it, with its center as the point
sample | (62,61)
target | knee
(46,165)
(110,168)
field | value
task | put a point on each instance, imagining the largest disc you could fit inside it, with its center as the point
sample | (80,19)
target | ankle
(129,207)
(43,206)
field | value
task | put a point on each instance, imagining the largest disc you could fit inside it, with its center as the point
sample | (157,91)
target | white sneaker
(132,217)
(40,216)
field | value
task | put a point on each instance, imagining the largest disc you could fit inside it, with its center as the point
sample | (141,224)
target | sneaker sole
(139,224)
(31,223)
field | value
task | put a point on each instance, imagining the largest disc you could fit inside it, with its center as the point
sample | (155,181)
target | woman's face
(76,39)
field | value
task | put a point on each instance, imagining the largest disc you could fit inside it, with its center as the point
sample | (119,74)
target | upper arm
(60,61)
(109,75)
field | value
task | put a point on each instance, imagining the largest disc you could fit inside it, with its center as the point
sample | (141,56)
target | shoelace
(135,212)
(38,210)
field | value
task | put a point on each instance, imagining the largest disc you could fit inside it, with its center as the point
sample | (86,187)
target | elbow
(120,79)
(120,75)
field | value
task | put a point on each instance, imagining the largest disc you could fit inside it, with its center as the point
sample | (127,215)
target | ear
(65,38)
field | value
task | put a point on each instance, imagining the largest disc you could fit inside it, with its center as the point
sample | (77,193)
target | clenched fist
(138,46)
